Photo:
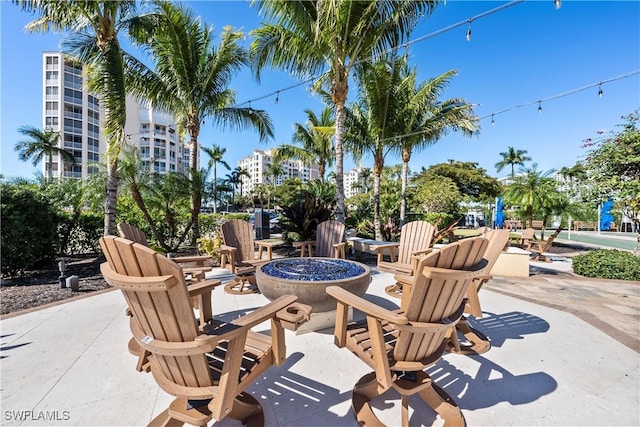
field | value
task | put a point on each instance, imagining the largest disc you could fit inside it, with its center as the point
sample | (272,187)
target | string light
(468,37)
(250,109)
(403,46)
(600,93)
(539,106)
(557,3)
(493,122)
(277,96)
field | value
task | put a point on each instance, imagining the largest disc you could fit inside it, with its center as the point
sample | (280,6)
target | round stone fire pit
(307,278)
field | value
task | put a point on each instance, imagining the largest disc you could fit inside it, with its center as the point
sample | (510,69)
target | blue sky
(522,54)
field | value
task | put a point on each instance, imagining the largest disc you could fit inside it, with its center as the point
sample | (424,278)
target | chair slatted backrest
(239,234)
(434,297)
(157,296)
(498,240)
(132,233)
(328,234)
(414,236)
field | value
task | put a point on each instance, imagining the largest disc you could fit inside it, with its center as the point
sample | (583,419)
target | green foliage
(472,181)
(85,233)
(613,165)
(608,264)
(29,226)
(302,217)
(434,194)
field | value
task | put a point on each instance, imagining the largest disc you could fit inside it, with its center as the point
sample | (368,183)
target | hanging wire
(393,49)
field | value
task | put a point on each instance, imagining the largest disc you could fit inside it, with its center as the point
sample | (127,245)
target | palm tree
(215,153)
(427,119)
(316,141)
(309,38)
(512,157)
(41,144)
(91,34)
(375,120)
(192,79)
(532,190)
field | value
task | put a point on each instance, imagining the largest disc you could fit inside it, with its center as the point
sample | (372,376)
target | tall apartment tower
(74,112)
(258,164)
(154,132)
(351,178)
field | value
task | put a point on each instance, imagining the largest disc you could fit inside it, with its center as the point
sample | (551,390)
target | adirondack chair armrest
(405,278)
(198,259)
(203,287)
(370,309)
(305,246)
(339,250)
(448,274)
(391,247)
(419,254)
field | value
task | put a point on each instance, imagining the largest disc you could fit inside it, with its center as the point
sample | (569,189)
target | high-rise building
(71,110)
(154,132)
(351,181)
(257,166)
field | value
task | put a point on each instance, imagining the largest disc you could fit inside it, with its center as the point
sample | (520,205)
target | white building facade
(68,108)
(154,133)
(352,182)
(258,163)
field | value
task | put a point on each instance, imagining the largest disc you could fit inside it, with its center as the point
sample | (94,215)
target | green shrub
(608,264)
(29,229)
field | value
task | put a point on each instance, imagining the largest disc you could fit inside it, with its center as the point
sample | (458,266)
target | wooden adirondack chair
(206,369)
(477,342)
(328,243)
(416,238)
(200,292)
(528,234)
(134,234)
(400,345)
(239,248)
(539,247)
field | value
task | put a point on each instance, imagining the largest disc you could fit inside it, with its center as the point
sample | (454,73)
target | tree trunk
(111,199)
(215,187)
(376,205)
(339,146)
(193,127)
(403,196)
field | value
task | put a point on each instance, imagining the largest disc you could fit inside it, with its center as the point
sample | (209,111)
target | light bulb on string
(539,107)
(250,109)
(557,3)
(493,122)
(600,92)
(277,96)
(468,37)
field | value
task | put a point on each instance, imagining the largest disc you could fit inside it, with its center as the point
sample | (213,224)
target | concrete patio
(565,352)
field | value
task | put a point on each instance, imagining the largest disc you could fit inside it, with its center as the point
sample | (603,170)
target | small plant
(302,218)
(608,264)
(211,245)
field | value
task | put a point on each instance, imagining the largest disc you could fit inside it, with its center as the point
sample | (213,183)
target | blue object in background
(605,215)
(499,213)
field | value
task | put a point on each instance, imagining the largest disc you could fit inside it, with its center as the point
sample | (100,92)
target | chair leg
(242,285)
(394,290)
(366,389)
(444,405)
(247,410)
(179,413)
(478,342)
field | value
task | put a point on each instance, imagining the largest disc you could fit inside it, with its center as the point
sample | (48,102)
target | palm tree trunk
(339,123)
(215,187)
(112,194)
(194,129)
(403,195)
(376,205)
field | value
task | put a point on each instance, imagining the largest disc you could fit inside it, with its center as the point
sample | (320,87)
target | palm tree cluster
(191,78)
